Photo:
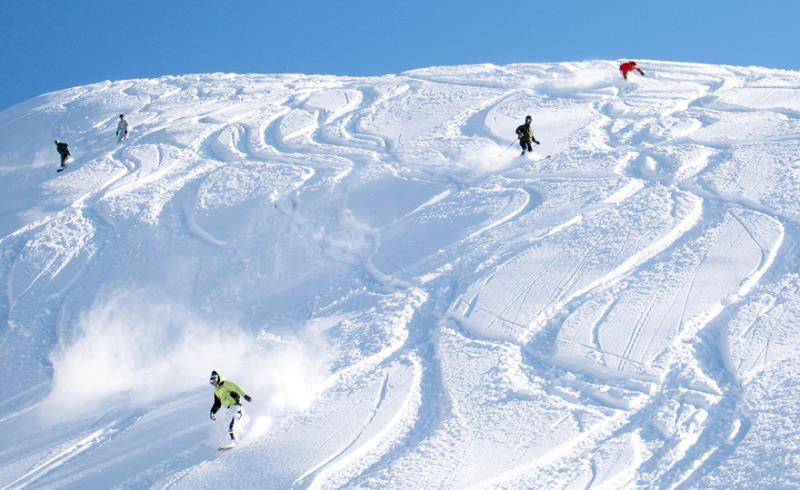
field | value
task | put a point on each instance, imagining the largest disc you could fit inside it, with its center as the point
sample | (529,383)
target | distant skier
(227,394)
(628,67)
(122,128)
(525,135)
(62,150)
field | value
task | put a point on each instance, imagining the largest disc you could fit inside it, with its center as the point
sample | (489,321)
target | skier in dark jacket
(227,394)
(63,150)
(525,135)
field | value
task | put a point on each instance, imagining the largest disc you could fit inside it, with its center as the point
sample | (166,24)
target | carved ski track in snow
(62,455)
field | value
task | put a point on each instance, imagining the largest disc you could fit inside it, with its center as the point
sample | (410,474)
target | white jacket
(122,127)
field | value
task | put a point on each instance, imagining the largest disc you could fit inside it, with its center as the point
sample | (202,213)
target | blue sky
(49,45)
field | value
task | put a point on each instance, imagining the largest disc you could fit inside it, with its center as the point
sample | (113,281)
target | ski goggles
(213,381)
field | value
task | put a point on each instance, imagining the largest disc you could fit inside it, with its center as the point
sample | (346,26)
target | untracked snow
(409,302)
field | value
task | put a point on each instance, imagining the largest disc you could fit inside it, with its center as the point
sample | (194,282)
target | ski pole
(507,147)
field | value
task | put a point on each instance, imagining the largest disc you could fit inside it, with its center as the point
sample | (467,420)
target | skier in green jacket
(62,150)
(227,394)
(525,135)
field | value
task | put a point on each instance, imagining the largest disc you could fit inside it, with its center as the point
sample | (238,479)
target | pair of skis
(522,155)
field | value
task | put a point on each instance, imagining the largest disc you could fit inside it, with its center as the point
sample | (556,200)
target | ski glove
(213,416)
(248,398)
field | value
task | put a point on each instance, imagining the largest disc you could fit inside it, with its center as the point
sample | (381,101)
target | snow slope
(409,304)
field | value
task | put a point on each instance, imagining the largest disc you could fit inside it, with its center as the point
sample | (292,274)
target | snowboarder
(122,128)
(63,150)
(227,394)
(628,67)
(525,135)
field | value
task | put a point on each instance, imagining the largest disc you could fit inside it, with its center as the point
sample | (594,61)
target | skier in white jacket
(122,128)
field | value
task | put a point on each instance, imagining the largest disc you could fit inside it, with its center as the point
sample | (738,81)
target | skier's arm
(235,388)
(237,391)
(216,405)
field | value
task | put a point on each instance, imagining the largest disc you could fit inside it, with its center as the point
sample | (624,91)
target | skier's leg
(234,414)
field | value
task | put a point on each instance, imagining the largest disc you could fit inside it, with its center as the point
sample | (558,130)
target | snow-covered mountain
(410,303)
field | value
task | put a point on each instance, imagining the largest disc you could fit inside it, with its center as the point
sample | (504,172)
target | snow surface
(409,304)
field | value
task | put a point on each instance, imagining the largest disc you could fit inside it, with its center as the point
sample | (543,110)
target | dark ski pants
(526,145)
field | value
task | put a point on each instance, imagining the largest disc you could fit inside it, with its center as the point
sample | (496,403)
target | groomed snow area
(409,305)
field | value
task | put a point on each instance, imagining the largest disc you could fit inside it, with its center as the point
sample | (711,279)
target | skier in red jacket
(628,67)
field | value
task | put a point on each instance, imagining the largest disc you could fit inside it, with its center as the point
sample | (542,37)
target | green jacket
(525,132)
(226,394)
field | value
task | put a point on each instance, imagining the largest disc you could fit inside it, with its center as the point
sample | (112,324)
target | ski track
(346,136)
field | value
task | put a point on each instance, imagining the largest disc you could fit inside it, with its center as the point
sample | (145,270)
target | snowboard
(66,164)
(226,447)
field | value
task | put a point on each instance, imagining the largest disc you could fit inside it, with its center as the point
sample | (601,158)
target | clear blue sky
(49,45)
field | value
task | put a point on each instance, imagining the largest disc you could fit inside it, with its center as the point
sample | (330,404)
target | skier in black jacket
(525,135)
(63,150)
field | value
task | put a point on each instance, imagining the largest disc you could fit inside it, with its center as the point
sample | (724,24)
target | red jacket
(628,67)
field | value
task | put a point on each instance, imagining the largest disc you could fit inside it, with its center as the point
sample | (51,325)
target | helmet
(528,118)
(214,378)
(56,141)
